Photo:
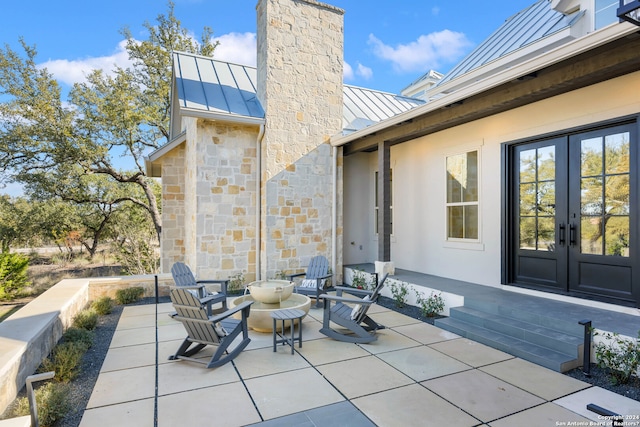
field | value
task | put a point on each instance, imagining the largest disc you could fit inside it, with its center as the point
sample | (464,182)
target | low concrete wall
(29,335)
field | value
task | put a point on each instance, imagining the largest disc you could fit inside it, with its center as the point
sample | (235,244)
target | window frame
(456,242)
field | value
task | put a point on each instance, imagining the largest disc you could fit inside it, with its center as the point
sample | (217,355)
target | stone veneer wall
(300,63)
(225,194)
(172,236)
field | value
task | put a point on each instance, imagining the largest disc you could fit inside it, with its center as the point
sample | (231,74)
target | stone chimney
(300,63)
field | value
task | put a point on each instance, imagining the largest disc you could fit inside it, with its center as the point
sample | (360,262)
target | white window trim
(455,243)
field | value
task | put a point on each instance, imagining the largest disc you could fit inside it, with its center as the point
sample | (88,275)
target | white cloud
(347,71)
(429,51)
(238,48)
(364,72)
(75,71)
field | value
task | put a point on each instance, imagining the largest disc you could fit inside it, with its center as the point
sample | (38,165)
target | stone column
(300,62)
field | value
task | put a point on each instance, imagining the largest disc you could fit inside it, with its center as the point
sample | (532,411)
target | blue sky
(388,44)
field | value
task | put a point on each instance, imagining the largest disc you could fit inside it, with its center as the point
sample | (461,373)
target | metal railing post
(586,350)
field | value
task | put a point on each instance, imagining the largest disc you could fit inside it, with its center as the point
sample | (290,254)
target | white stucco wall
(418,242)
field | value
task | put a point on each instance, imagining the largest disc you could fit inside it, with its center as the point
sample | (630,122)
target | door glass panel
(617,195)
(547,198)
(617,153)
(591,157)
(528,199)
(546,164)
(617,236)
(537,205)
(591,235)
(546,234)
(604,195)
(528,233)
(527,166)
(591,196)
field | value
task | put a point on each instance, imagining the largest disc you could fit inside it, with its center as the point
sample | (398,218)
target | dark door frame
(508,249)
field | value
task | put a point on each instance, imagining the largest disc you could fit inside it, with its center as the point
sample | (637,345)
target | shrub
(619,355)
(86,319)
(52,401)
(64,361)
(13,275)
(236,282)
(79,335)
(359,280)
(103,305)
(399,292)
(129,295)
(430,306)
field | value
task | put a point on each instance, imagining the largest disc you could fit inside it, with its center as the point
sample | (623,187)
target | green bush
(86,319)
(13,275)
(359,280)
(64,361)
(399,292)
(129,295)
(103,305)
(79,335)
(52,401)
(619,355)
(430,306)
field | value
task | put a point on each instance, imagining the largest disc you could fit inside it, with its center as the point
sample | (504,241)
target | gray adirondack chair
(203,330)
(360,327)
(315,279)
(184,278)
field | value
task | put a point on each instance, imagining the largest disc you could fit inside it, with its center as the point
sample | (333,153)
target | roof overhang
(455,108)
(151,162)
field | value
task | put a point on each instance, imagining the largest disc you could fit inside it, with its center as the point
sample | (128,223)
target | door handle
(572,234)
(561,234)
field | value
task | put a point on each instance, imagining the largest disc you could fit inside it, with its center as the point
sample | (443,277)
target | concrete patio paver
(535,379)
(225,405)
(123,386)
(323,351)
(264,361)
(425,333)
(545,415)
(423,363)
(184,376)
(291,392)
(138,413)
(362,376)
(470,352)
(389,408)
(481,395)
(578,402)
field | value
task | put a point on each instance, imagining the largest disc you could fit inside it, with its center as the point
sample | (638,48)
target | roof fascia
(222,117)
(561,53)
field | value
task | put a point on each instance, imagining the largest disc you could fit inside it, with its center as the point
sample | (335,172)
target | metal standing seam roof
(525,27)
(206,84)
(363,107)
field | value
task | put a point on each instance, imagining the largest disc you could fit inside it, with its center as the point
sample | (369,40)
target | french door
(574,214)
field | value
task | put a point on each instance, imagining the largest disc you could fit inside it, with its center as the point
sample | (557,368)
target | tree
(51,146)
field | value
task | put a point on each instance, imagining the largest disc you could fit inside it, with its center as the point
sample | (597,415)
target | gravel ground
(93,358)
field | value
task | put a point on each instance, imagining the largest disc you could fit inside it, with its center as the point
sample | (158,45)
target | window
(462,196)
(375,195)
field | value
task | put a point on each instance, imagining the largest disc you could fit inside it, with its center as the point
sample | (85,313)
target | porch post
(384,201)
